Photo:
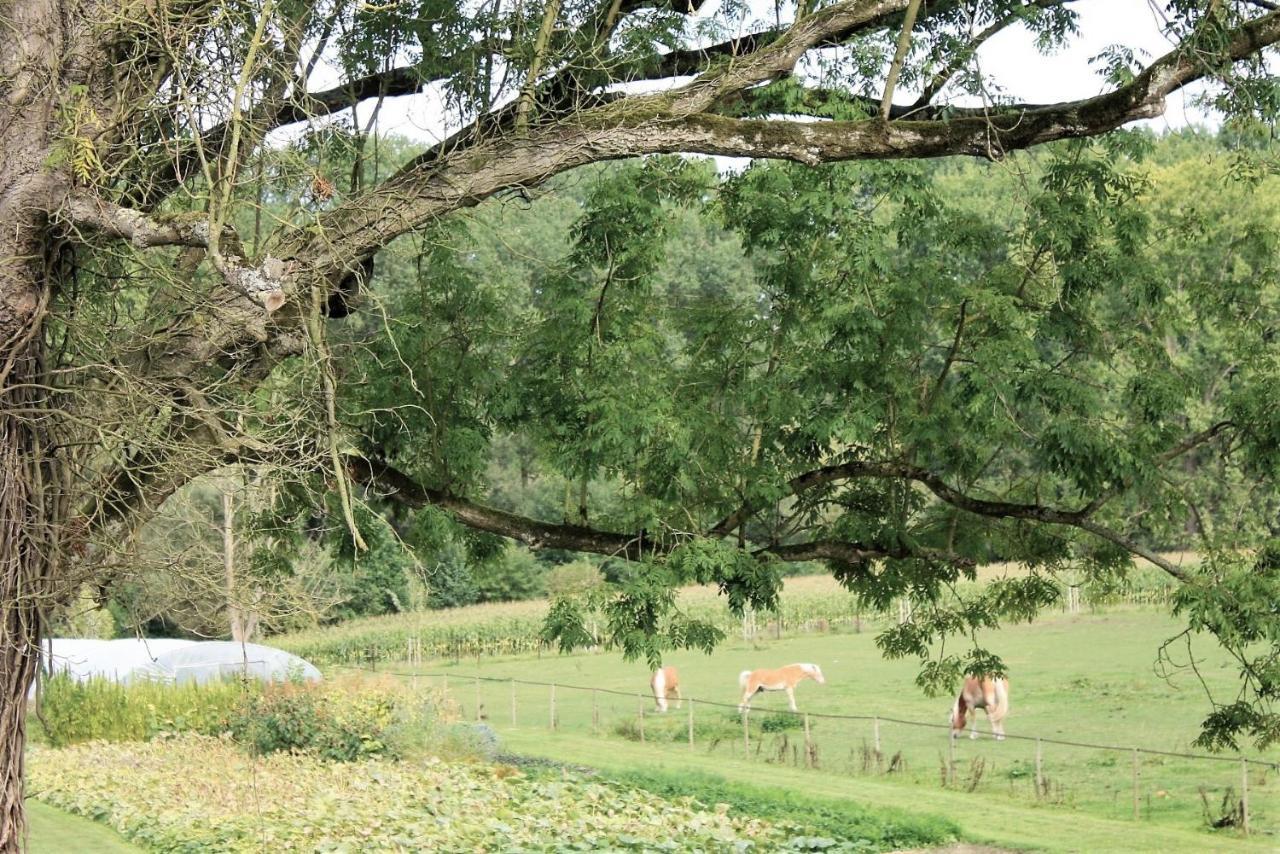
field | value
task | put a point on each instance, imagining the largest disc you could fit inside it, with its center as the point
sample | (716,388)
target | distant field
(1083,678)
(512,628)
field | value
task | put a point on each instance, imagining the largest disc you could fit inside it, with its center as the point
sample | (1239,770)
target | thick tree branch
(143,231)
(398,486)
(1079,518)
(680,63)
(853,553)
(674,122)
(263,285)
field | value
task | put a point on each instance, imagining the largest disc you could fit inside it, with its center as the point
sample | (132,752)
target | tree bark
(30,50)
(26,561)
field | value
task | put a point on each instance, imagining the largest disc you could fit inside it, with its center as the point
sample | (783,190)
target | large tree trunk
(28,558)
(26,561)
(31,48)
(23,577)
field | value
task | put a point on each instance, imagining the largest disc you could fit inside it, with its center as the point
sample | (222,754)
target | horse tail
(959,711)
(742,679)
(1002,695)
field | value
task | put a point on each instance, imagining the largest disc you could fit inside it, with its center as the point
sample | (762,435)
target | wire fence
(1116,781)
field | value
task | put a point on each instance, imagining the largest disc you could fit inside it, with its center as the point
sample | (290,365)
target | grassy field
(994,821)
(53,831)
(1087,678)
(512,628)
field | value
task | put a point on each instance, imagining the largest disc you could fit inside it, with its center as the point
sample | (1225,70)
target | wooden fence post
(808,743)
(876,730)
(513,702)
(477,698)
(951,761)
(640,697)
(553,706)
(1244,795)
(1136,814)
(690,723)
(746,735)
(444,680)
(595,711)
(1039,770)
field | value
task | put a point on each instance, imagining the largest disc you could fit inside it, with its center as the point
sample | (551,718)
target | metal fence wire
(1115,780)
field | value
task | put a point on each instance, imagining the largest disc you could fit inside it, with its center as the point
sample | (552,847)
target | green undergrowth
(70,712)
(824,820)
(348,718)
(302,802)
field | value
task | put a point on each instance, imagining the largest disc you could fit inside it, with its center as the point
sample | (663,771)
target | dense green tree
(923,367)
(170,283)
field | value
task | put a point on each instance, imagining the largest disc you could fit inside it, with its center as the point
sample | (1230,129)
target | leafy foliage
(287,801)
(71,712)
(1052,362)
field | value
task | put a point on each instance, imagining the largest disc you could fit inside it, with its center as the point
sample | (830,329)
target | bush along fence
(1229,792)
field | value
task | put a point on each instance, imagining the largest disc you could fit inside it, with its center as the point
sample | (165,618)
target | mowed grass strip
(990,820)
(52,831)
(1090,678)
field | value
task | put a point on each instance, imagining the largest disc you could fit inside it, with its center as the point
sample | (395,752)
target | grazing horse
(981,692)
(782,679)
(665,682)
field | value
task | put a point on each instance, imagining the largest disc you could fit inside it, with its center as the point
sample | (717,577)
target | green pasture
(1086,678)
(52,831)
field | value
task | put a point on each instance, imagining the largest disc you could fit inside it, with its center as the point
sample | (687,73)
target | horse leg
(973,724)
(679,697)
(791,697)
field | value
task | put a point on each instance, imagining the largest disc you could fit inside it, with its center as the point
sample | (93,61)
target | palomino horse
(665,682)
(981,692)
(782,679)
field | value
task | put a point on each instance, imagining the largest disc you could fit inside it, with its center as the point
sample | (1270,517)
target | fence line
(1261,763)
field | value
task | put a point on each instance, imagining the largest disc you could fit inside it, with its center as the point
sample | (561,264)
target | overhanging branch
(399,487)
(679,121)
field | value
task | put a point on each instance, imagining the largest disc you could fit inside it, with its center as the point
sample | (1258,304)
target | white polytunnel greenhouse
(169,660)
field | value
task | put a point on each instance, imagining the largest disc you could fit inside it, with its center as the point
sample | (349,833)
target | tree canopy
(894,383)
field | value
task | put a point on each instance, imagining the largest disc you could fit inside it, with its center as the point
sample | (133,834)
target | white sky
(1010,57)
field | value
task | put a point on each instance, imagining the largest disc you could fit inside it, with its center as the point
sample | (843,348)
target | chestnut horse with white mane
(783,679)
(665,682)
(981,692)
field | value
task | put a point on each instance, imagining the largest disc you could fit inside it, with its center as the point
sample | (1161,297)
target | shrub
(332,721)
(343,720)
(70,712)
(464,741)
(574,579)
(513,575)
